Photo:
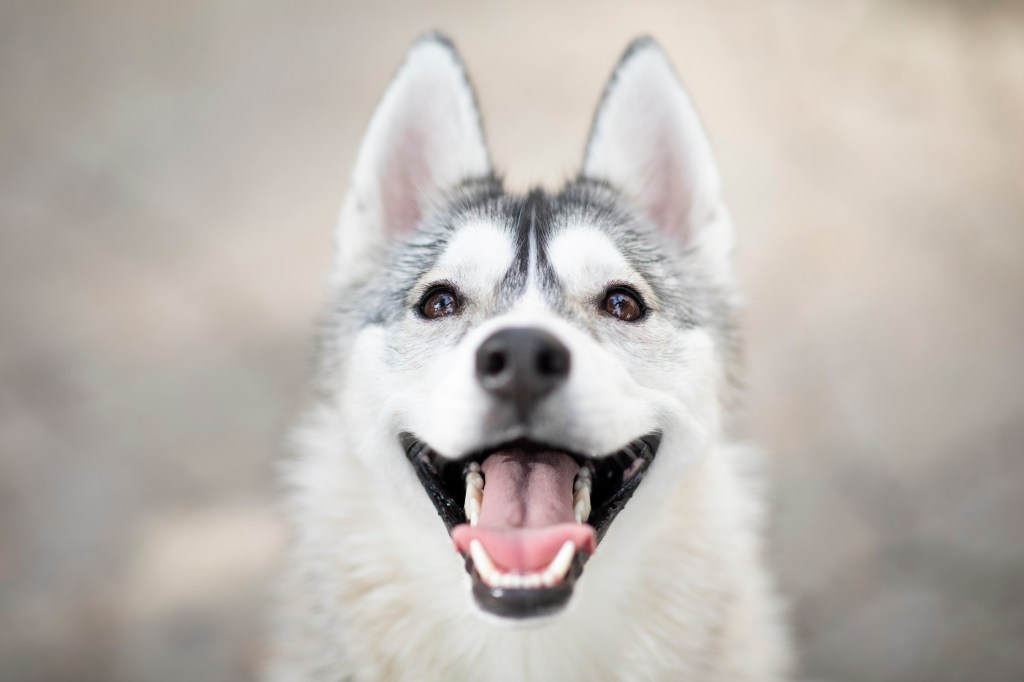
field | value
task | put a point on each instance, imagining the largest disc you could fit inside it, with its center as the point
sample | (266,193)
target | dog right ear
(647,141)
(425,137)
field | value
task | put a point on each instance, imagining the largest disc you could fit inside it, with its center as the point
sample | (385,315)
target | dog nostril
(550,362)
(494,363)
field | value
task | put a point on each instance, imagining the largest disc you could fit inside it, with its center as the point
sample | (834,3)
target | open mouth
(526,516)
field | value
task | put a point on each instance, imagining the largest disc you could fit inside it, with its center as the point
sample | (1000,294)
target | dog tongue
(526,514)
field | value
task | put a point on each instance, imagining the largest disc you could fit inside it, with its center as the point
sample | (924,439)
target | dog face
(540,367)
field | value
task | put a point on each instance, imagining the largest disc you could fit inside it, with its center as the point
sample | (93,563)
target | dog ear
(647,141)
(425,137)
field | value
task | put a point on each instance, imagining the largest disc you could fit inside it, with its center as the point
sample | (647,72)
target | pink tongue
(526,515)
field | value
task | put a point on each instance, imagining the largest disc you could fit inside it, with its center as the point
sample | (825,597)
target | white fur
(585,259)
(676,589)
(477,257)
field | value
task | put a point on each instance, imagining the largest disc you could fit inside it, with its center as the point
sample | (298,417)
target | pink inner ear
(403,180)
(669,198)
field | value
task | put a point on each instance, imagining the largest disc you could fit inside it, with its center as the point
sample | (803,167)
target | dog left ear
(648,142)
(424,139)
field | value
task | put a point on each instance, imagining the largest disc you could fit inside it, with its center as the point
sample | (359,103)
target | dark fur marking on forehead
(530,231)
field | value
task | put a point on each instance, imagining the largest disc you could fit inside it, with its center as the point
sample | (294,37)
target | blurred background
(169,175)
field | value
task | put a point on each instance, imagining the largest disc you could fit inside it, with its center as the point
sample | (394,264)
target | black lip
(526,603)
(443,479)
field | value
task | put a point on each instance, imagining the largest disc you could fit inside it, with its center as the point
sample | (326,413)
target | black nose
(521,366)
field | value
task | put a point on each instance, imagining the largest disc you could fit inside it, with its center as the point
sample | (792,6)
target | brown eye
(623,304)
(439,302)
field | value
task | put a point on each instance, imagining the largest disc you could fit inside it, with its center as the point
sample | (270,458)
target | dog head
(542,368)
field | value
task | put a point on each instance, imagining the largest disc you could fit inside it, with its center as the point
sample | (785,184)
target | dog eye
(439,302)
(624,304)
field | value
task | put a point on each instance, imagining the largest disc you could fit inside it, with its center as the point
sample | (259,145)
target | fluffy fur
(677,589)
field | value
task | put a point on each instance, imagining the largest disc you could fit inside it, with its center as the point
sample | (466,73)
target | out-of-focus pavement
(169,174)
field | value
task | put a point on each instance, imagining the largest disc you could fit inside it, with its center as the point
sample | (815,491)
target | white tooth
(581,507)
(474,498)
(581,504)
(581,494)
(474,492)
(472,509)
(484,566)
(582,479)
(559,566)
(533,581)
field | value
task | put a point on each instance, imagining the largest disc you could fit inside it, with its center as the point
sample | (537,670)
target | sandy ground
(169,173)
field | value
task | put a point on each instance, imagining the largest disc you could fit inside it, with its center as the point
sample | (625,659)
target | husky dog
(514,467)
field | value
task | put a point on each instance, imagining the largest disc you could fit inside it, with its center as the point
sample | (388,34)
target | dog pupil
(622,306)
(440,304)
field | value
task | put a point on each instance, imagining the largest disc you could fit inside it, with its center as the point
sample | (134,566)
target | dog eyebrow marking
(586,259)
(477,256)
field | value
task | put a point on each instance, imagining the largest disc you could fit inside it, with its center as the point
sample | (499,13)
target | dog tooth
(484,566)
(581,508)
(475,479)
(533,581)
(582,479)
(581,502)
(472,509)
(474,498)
(559,566)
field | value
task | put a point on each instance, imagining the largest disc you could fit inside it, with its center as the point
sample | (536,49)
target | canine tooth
(581,507)
(581,501)
(559,566)
(474,496)
(581,494)
(472,506)
(472,510)
(484,566)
